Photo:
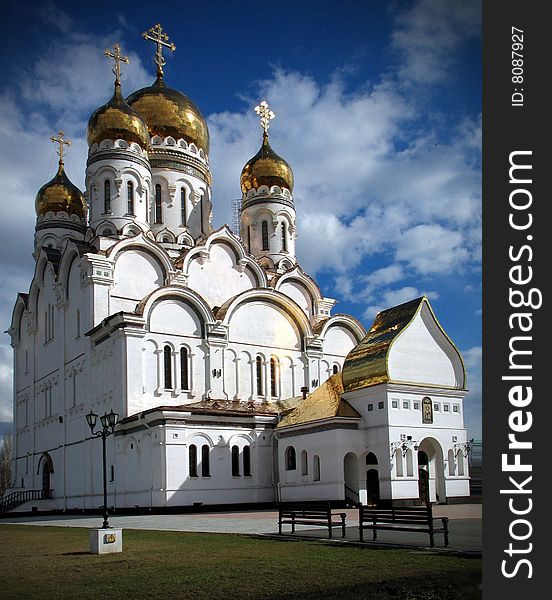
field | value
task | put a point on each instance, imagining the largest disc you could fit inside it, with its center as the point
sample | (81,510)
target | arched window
(304,463)
(205,466)
(264,231)
(399,462)
(107,196)
(130,198)
(427,410)
(249,238)
(409,463)
(451,465)
(183,206)
(291,461)
(460,460)
(158,209)
(284,238)
(235,461)
(335,369)
(247,461)
(316,468)
(273,377)
(259,373)
(167,360)
(192,460)
(184,381)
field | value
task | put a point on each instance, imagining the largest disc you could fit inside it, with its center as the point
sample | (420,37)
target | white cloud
(472,402)
(428,34)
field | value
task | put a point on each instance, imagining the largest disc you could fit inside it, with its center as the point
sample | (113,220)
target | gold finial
(156,35)
(61,141)
(116,56)
(263,110)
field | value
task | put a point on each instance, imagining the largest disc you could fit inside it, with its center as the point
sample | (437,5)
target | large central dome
(168,112)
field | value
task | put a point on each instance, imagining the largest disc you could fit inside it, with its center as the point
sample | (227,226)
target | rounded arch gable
(267,319)
(128,263)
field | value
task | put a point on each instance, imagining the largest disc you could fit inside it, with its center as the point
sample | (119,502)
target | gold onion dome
(168,112)
(116,120)
(266,168)
(60,194)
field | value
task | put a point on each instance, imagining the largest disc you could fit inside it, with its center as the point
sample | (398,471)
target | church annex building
(233,380)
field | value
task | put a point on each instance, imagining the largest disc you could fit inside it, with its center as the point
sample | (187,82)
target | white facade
(202,341)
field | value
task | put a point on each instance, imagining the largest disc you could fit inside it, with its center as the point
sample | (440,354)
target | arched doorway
(372,480)
(46,468)
(431,479)
(423,477)
(350,471)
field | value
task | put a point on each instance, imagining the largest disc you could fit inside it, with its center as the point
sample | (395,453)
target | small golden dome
(266,168)
(60,194)
(116,120)
(168,112)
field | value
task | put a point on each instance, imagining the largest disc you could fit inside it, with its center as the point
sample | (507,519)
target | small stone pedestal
(106,541)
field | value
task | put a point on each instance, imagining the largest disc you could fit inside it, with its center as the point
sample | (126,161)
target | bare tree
(6,455)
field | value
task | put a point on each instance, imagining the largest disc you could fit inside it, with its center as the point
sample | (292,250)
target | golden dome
(168,112)
(266,168)
(116,120)
(60,194)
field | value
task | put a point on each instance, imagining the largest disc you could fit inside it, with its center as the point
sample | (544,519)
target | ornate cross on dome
(61,141)
(263,110)
(116,56)
(156,35)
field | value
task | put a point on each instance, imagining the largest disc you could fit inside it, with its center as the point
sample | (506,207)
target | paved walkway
(464,526)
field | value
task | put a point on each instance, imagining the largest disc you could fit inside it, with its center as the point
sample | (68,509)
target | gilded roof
(60,194)
(266,168)
(366,364)
(116,120)
(324,403)
(168,112)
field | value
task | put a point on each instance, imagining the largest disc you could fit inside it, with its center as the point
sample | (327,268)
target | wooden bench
(405,518)
(310,514)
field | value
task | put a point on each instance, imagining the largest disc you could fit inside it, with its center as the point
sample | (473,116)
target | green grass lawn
(54,563)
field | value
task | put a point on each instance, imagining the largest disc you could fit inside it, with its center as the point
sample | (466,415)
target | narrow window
(158,211)
(167,357)
(107,196)
(26,361)
(235,461)
(112,473)
(259,368)
(130,198)
(304,463)
(335,369)
(249,238)
(284,238)
(399,462)
(409,464)
(316,468)
(183,206)
(78,324)
(247,461)
(264,228)
(291,463)
(273,377)
(451,465)
(205,467)
(192,460)
(184,368)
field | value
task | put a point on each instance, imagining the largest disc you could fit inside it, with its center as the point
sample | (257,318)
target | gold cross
(59,140)
(116,56)
(156,35)
(263,110)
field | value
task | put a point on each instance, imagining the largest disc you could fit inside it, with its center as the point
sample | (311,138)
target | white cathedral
(233,381)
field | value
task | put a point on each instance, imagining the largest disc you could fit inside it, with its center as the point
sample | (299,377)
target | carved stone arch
(161,236)
(346,321)
(45,458)
(142,243)
(291,308)
(185,295)
(240,436)
(298,275)
(193,436)
(185,239)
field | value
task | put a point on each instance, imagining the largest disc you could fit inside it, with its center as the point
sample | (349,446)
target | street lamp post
(108,422)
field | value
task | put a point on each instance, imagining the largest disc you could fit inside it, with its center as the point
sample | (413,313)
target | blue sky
(378,111)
